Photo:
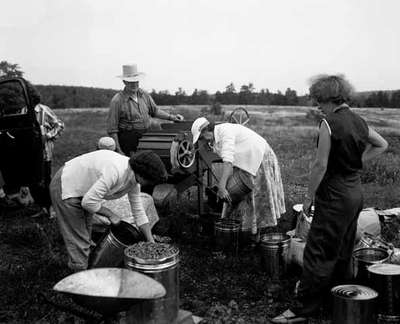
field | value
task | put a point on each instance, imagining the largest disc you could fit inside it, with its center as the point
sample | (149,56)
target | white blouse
(240,146)
(102,175)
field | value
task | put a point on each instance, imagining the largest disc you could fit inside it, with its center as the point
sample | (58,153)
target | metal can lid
(386,269)
(275,238)
(354,292)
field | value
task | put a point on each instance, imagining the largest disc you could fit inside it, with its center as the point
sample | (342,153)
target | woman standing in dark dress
(345,142)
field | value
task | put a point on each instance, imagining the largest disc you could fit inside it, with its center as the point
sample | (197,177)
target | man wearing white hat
(130,112)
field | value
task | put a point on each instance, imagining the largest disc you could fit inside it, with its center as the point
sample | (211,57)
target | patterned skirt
(266,203)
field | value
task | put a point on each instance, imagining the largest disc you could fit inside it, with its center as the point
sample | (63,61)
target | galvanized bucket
(239,185)
(274,249)
(385,278)
(166,271)
(354,304)
(109,252)
(227,236)
(363,258)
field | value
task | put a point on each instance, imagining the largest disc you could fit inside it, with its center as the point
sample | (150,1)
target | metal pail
(239,185)
(363,258)
(385,279)
(166,271)
(354,304)
(274,249)
(227,236)
(109,252)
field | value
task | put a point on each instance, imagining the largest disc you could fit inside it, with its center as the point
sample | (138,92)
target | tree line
(86,97)
(57,96)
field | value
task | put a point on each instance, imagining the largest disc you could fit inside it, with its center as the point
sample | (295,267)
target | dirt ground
(219,288)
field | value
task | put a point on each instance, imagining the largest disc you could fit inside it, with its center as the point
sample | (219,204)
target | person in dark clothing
(51,128)
(345,142)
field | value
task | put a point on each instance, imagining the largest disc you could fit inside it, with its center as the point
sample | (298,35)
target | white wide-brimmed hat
(130,73)
(198,125)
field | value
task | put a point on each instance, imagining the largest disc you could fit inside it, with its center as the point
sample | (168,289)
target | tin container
(274,249)
(109,252)
(166,271)
(354,304)
(227,236)
(239,185)
(385,278)
(365,257)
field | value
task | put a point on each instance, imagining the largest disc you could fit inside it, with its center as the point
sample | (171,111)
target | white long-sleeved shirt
(100,175)
(240,146)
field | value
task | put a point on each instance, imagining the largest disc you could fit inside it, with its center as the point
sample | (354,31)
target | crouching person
(80,187)
(121,206)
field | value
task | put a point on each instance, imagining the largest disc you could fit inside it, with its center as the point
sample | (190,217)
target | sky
(203,44)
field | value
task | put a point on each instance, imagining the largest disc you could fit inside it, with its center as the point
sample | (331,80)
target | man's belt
(132,130)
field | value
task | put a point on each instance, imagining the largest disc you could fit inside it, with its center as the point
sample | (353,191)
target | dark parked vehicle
(21,146)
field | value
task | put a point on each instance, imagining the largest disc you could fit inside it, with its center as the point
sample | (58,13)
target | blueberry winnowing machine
(187,164)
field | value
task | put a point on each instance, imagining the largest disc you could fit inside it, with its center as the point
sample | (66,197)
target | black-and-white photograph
(194,162)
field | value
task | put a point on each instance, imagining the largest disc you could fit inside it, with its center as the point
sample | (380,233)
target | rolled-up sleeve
(113,115)
(94,197)
(138,213)
(227,151)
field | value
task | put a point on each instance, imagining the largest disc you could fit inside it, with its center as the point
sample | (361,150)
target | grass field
(33,256)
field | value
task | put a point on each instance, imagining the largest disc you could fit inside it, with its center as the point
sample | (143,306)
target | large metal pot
(385,278)
(109,252)
(227,236)
(165,271)
(363,258)
(274,249)
(354,304)
(239,185)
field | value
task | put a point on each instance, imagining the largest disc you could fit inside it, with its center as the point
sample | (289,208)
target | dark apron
(330,241)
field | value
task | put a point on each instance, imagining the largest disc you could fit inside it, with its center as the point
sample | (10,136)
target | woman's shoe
(288,317)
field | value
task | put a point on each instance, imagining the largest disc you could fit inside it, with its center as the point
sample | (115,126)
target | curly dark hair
(148,165)
(331,88)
